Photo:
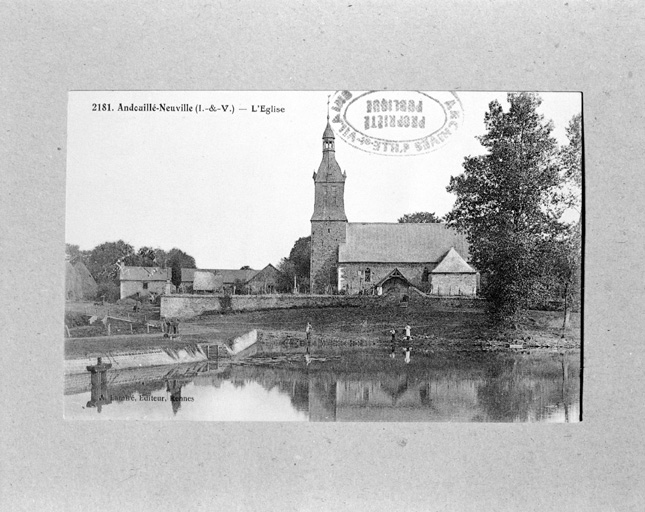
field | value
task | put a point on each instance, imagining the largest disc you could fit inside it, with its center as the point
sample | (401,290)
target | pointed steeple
(330,181)
(329,170)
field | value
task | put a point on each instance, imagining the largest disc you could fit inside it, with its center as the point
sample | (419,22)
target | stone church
(379,258)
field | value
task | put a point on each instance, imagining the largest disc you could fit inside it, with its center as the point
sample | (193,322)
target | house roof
(393,274)
(227,275)
(453,263)
(206,280)
(145,274)
(400,243)
(269,270)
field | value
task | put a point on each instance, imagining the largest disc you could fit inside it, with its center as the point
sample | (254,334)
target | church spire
(329,180)
(328,134)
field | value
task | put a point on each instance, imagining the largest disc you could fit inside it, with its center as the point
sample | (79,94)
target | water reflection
(341,385)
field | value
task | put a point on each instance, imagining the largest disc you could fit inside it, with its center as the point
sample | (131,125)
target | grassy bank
(432,329)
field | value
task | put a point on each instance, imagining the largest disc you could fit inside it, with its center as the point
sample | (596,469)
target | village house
(380,257)
(265,281)
(215,280)
(230,281)
(143,281)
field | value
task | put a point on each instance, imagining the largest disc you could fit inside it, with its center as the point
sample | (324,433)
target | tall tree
(296,265)
(509,203)
(177,259)
(420,217)
(568,267)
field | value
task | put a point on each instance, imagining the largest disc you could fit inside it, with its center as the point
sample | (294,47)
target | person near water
(393,353)
(308,332)
(408,350)
(408,335)
(393,333)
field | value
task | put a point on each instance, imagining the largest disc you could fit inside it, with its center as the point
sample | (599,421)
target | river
(351,384)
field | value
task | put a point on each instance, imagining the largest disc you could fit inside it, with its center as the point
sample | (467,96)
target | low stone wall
(185,306)
(190,306)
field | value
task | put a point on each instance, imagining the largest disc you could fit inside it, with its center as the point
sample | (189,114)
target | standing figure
(393,333)
(408,336)
(408,350)
(308,332)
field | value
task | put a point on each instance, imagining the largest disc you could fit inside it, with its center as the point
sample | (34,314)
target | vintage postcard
(355,256)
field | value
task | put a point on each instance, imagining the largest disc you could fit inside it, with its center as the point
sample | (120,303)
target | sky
(235,187)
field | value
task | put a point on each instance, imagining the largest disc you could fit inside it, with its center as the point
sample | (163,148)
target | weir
(140,358)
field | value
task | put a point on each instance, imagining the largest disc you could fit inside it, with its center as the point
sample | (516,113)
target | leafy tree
(296,265)
(509,202)
(73,252)
(177,259)
(300,255)
(420,217)
(146,257)
(568,256)
(103,261)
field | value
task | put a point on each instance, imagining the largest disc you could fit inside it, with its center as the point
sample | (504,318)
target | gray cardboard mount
(50,48)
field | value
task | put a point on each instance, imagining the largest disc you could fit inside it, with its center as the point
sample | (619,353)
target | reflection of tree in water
(505,395)
(518,389)
(395,386)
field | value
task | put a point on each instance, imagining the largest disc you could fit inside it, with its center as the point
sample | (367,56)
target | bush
(108,291)
(74,319)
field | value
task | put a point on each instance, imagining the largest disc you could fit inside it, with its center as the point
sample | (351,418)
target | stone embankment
(139,358)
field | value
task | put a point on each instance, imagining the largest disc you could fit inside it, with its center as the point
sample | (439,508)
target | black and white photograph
(340,256)
(324,256)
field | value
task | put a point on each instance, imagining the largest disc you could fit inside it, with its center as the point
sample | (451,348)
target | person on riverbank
(393,334)
(308,332)
(408,332)
(165,327)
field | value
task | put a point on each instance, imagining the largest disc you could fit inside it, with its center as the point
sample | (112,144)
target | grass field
(431,326)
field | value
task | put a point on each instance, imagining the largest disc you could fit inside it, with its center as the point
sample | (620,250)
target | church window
(424,276)
(368,275)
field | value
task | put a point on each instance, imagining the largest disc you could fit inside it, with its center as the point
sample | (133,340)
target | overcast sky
(234,189)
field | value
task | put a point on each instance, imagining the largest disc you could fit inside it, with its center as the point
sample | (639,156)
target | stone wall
(353,274)
(191,306)
(326,236)
(454,284)
(353,278)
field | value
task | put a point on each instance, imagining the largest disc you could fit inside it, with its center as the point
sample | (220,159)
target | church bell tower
(328,223)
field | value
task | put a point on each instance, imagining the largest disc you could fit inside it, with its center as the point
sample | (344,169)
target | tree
(509,204)
(297,265)
(146,257)
(73,252)
(177,259)
(568,267)
(103,261)
(420,217)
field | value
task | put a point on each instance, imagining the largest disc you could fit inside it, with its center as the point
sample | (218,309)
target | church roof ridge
(400,242)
